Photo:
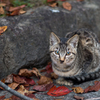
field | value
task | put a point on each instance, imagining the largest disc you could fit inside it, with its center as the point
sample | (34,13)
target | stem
(14,92)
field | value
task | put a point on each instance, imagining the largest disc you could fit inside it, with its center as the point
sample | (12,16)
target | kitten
(76,57)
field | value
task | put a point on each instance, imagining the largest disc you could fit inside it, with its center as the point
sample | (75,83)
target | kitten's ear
(54,39)
(73,41)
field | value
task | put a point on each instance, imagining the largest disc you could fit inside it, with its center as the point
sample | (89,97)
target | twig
(14,92)
(93,98)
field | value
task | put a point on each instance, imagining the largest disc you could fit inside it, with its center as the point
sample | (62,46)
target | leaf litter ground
(42,93)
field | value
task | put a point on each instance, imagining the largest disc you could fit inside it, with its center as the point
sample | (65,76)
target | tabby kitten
(75,58)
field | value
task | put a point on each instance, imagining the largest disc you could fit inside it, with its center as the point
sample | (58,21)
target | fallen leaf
(7,2)
(44,80)
(44,87)
(18,79)
(2,97)
(59,91)
(14,13)
(48,68)
(95,87)
(78,97)
(77,89)
(24,91)
(49,1)
(54,76)
(30,95)
(27,87)
(9,79)
(2,4)
(13,85)
(3,29)
(54,4)
(3,80)
(29,81)
(21,11)
(2,10)
(29,73)
(67,5)
(13,97)
(16,8)
(36,72)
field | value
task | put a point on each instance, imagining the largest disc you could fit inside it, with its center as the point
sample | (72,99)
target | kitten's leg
(62,81)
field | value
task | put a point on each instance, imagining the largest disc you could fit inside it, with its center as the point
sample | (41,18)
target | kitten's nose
(61,61)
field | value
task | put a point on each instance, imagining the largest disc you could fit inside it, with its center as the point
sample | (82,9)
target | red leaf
(44,87)
(29,81)
(18,79)
(30,95)
(2,97)
(95,87)
(13,97)
(48,68)
(59,91)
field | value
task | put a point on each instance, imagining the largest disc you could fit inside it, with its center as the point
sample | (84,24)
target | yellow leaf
(22,90)
(3,29)
(2,4)
(21,11)
(67,5)
(77,89)
(2,10)
(13,85)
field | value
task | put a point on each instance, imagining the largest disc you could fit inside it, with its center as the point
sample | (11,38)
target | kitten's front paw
(62,81)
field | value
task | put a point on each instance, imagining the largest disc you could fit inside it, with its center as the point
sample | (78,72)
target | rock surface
(26,41)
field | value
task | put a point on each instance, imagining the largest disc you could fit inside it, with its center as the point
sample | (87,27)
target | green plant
(19,3)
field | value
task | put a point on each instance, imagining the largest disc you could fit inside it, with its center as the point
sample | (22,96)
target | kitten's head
(63,54)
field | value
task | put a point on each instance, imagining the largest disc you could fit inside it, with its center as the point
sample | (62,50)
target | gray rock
(26,41)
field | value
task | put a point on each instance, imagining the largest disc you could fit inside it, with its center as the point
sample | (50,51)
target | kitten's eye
(57,52)
(68,53)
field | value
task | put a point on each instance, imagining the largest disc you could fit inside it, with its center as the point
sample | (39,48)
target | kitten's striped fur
(75,57)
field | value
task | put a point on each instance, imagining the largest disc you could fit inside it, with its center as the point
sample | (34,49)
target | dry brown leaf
(95,87)
(2,97)
(44,87)
(67,5)
(9,79)
(13,97)
(21,11)
(78,98)
(16,12)
(53,75)
(22,90)
(3,80)
(29,73)
(16,8)
(7,2)
(44,80)
(54,5)
(18,79)
(3,29)
(2,4)
(13,85)
(36,72)
(2,10)
(77,89)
